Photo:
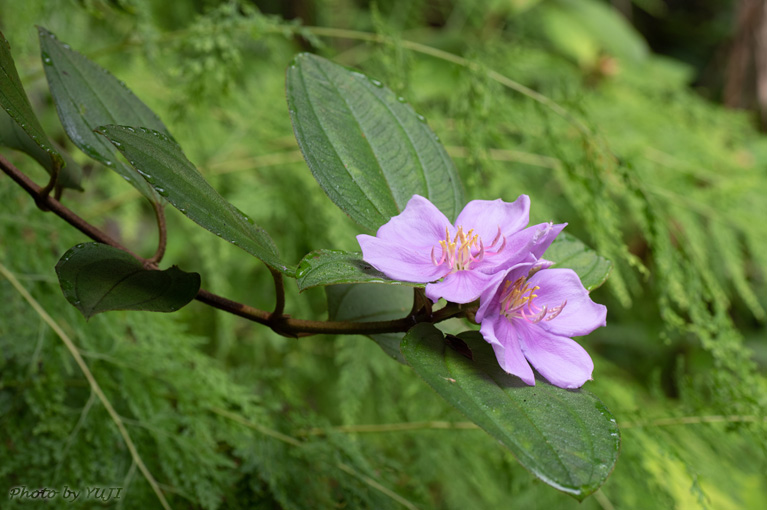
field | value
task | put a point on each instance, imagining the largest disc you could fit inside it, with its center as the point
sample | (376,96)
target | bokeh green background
(645,168)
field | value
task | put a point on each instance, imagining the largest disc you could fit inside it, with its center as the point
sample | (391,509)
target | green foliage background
(667,185)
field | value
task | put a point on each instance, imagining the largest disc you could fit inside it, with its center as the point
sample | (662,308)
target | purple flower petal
(487,216)
(530,241)
(488,301)
(561,360)
(544,235)
(501,334)
(420,225)
(399,263)
(580,315)
(459,287)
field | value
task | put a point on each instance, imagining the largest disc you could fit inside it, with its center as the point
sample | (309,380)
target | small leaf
(88,96)
(21,130)
(372,303)
(331,267)
(368,150)
(569,252)
(163,165)
(97,278)
(567,438)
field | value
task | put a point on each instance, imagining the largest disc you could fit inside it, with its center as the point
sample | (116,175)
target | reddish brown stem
(276,320)
(162,232)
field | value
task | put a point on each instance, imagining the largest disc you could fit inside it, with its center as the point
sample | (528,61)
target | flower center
(464,249)
(517,302)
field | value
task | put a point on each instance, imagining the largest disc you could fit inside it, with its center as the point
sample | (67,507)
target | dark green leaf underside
(372,303)
(368,150)
(88,96)
(165,167)
(19,127)
(567,438)
(331,267)
(96,278)
(569,252)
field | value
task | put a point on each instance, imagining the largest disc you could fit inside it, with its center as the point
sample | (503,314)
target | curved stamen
(517,301)
(442,258)
(460,251)
(480,254)
(535,319)
(556,311)
(497,236)
(500,249)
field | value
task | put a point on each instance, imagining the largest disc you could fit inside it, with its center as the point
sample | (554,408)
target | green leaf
(162,163)
(567,438)
(331,267)
(569,252)
(372,303)
(369,151)
(97,278)
(88,96)
(21,130)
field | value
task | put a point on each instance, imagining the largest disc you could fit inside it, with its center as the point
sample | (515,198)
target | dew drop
(130,129)
(162,191)
(302,269)
(376,83)
(47,59)
(401,99)
(420,117)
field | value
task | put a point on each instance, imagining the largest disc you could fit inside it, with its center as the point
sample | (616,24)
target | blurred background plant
(610,115)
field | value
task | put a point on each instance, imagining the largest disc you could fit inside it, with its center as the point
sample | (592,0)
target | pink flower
(528,314)
(421,245)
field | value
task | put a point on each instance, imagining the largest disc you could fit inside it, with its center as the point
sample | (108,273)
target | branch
(277,321)
(59,209)
(162,232)
(279,294)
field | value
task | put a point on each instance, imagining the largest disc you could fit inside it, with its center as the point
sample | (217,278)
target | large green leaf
(372,303)
(368,150)
(162,163)
(97,278)
(88,96)
(21,130)
(569,252)
(331,267)
(567,438)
